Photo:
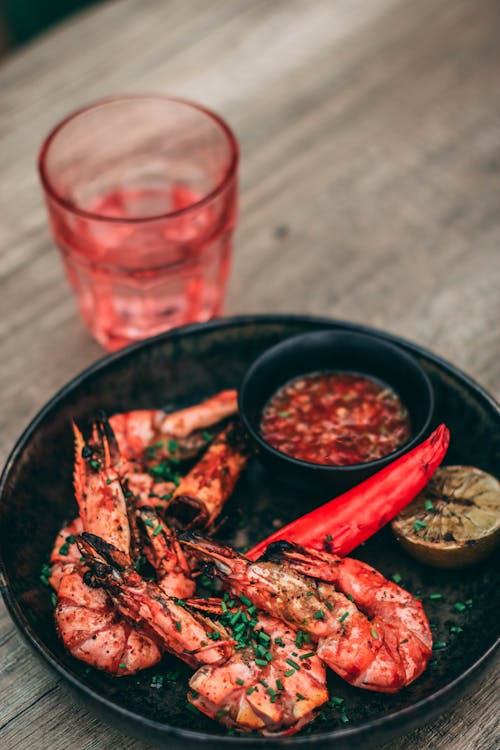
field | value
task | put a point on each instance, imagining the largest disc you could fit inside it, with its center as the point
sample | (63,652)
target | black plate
(182,367)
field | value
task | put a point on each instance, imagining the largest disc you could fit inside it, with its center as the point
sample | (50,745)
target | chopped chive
(429,505)
(374,633)
(251,690)
(289,672)
(456,629)
(397,577)
(123,666)
(221,713)
(245,601)
(283,414)
(329,538)
(269,656)
(468,602)
(344,617)
(234,618)
(263,682)
(344,719)
(261,662)
(435,596)
(172,675)
(45,573)
(293,663)
(300,697)
(319,615)
(459,606)
(307,656)
(108,480)
(279,685)
(433,663)
(336,700)
(206,435)
(172,446)
(350,597)
(158,529)
(53,598)
(405,640)
(264,636)
(419,525)
(239,681)
(64,549)
(439,645)
(95,464)
(223,606)
(279,642)
(178,626)
(149,523)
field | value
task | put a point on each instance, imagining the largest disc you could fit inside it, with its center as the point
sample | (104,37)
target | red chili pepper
(345,522)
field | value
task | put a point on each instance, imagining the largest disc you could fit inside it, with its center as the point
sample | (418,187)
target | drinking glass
(141,195)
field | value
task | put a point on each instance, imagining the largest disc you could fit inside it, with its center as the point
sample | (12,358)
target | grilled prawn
(181,434)
(88,624)
(257,689)
(395,615)
(366,653)
(245,680)
(202,493)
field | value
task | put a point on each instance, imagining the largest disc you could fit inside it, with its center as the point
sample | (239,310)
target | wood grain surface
(370,191)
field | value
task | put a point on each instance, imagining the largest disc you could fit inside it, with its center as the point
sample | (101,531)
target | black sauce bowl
(333,351)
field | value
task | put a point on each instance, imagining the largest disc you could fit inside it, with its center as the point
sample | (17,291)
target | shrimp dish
(150,489)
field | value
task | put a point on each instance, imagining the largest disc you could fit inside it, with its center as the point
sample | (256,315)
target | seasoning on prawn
(345,522)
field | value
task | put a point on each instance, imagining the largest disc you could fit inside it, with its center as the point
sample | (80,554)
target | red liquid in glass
(134,279)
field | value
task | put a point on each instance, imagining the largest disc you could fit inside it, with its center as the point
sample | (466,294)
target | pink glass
(141,195)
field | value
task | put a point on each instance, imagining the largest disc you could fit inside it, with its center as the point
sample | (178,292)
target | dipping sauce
(335,418)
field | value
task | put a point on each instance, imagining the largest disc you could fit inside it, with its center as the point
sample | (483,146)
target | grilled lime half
(455,521)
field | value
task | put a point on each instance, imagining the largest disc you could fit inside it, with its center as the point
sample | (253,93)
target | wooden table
(370,191)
